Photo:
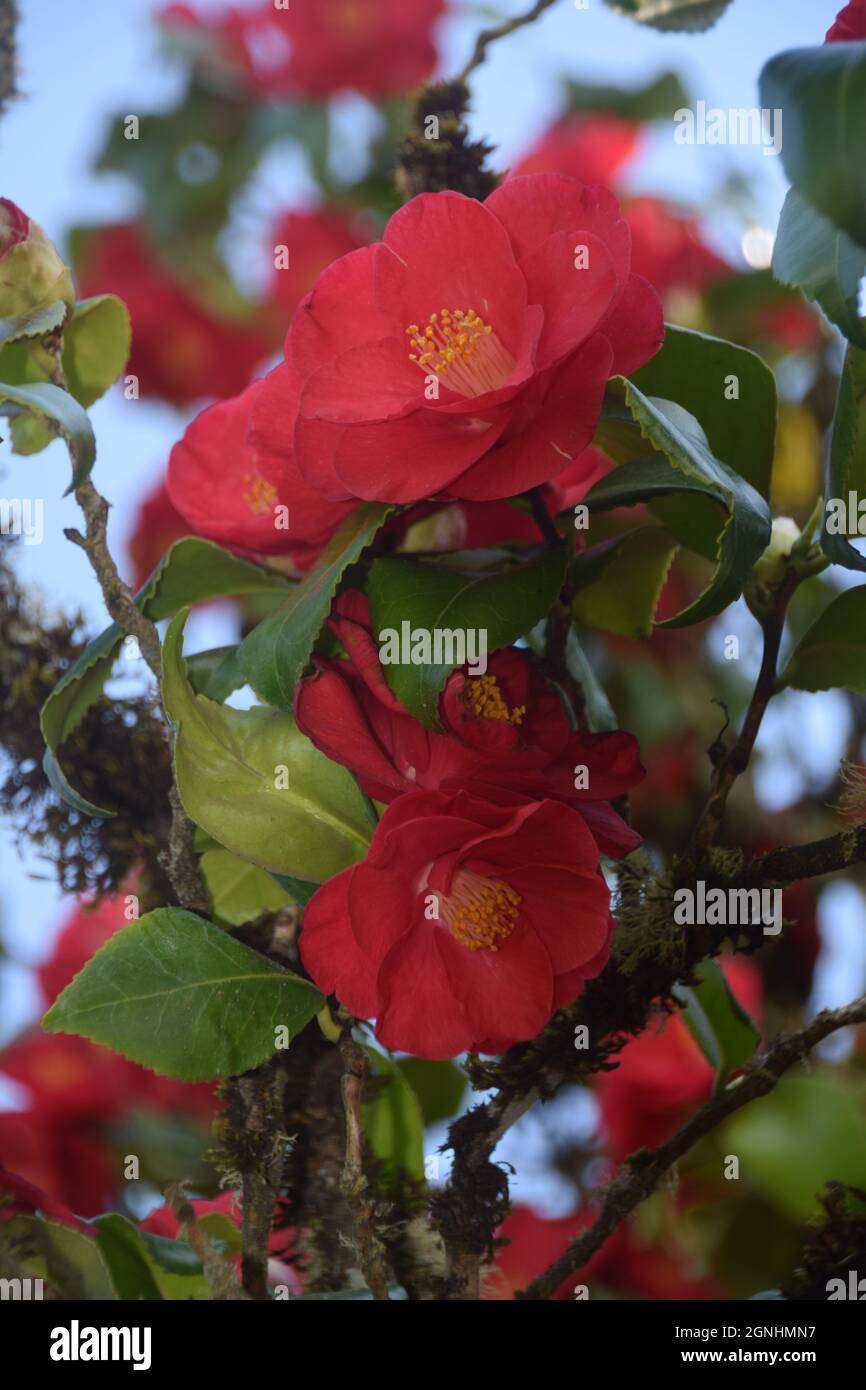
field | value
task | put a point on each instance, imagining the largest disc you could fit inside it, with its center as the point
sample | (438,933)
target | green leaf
(693,16)
(832,652)
(216,672)
(275,653)
(846,466)
(393,1122)
(822,93)
(599,711)
(661,97)
(239,892)
(123,1252)
(717,1021)
(618,583)
(191,571)
(808,1129)
(471,590)
(438,1086)
(694,370)
(49,402)
(63,1256)
(811,254)
(59,781)
(675,433)
(299,890)
(229,765)
(180,996)
(33,324)
(96,344)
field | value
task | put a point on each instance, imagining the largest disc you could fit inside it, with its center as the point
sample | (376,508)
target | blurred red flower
(624,1264)
(592,148)
(314,48)
(18,1197)
(181,350)
(667,249)
(465,927)
(401,399)
(662,1073)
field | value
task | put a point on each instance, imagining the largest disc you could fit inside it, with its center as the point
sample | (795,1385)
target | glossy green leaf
(701,374)
(674,433)
(693,16)
(254,782)
(846,467)
(300,890)
(822,94)
(618,583)
(832,652)
(64,788)
(180,996)
(130,1254)
(33,324)
(96,344)
(239,892)
(717,1021)
(438,1086)
(67,1259)
(393,1122)
(467,590)
(662,96)
(813,255)
(275,653)
(216,672)
(49,402)
(600,714)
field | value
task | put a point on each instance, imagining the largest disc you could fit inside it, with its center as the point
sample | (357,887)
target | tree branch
(501,31)
(8,64)
(641,1174)
(736,760)
(353,1183)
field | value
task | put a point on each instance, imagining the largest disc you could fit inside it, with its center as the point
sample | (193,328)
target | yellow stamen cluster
(260,495)
(461,350)
(484,699)
(481,912)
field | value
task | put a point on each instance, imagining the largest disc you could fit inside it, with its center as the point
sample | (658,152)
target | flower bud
(32,274)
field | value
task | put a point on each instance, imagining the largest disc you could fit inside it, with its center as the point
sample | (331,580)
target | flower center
(260,495)
(461,351)
(480,912)
(483,698)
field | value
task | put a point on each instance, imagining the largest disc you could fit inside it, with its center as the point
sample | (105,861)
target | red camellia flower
(590,148)
(18,1197)
(667,249)
(312,240)
(625,1264)
(662,1073)
(465,927)
(181,350)
(506,736)
(314,48)
(467,353)
(156,526)
(231,489)
(849,24)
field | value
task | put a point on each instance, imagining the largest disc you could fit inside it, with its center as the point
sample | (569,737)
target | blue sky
(86,60)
